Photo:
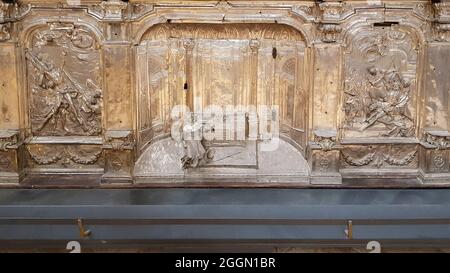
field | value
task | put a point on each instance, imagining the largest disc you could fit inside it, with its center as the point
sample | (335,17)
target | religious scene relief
(379,89)
(65,82)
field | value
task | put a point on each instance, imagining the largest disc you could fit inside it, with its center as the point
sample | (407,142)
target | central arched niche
(221,64)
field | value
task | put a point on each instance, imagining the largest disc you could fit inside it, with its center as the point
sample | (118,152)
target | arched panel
(224,65)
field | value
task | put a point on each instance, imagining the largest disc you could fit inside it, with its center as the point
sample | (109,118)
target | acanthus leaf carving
(329,33)
(119,140)
(334,11)
(111,10)
(326,139)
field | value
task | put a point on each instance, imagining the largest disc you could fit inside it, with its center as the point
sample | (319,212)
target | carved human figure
(67,91)
(390,94)
(196,152)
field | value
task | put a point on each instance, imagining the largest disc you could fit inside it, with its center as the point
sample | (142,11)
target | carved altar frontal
(239,93)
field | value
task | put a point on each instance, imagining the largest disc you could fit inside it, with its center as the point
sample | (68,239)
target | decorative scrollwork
(303,9)
(8,139)
(4,146)
(112,10)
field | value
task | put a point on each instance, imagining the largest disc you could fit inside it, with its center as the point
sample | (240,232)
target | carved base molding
(435,157)
(324,158)
(11,169)
(119,157)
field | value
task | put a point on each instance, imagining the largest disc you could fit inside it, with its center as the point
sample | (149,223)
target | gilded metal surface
(361,89)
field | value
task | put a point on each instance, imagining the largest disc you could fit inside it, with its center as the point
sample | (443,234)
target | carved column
(252,116)
(435,157)
(11,153)
(189,84)
(322,152)
(119,138)
(323,157)
(435,154)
